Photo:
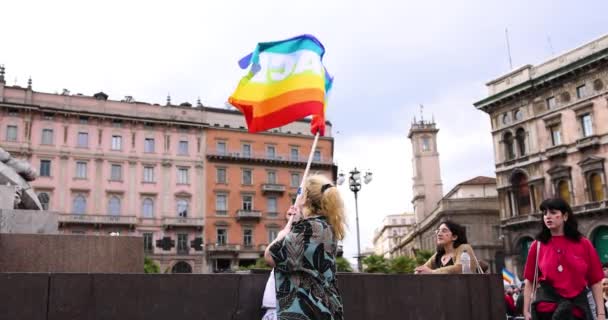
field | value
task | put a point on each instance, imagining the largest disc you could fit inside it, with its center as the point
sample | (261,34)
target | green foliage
(150,266)
(422,256)
(402,265)
(375,264)
(343,265)
(260,263)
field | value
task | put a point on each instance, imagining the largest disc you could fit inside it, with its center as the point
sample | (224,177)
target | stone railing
(183,222)
(48,296)
(248,214)
(97,219)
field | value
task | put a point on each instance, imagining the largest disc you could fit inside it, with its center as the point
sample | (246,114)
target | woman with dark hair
(568,266)
(451,243)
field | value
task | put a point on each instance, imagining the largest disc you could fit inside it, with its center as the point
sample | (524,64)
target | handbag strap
(479,269)
(535,282)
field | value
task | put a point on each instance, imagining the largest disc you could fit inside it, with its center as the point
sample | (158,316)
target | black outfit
(546,293)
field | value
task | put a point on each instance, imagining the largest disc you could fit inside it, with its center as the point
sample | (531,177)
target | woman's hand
(423,270)
(601,317)
(527,315)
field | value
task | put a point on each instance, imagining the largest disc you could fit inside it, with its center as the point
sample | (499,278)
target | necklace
(560,268)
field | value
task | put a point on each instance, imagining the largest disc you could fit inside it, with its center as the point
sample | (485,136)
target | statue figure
(18,173)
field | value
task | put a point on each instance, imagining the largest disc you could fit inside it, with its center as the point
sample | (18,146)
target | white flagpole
(301,188)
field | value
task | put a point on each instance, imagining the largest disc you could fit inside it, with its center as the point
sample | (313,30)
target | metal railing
(183,222)
(267,156)
(248,214)
(273,187)
(223,247)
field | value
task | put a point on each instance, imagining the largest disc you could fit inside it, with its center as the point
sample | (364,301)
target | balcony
(556,151)
(268,158)
(520,220)
(181,222)
(588,142)
(248,215)
(273,188)
(223,248)
(97,220)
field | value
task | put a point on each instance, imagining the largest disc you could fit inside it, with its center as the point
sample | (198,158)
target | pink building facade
(123,167)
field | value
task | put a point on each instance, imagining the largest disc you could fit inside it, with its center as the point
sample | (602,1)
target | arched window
(596,187)
(114,206)
(563,190)
(522,192)
(181,267)
(80,204)
(508,141)
(520,136)
(44,199)
(147,208)
(182,208)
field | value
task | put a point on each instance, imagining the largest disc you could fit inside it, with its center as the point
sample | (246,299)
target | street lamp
(354,182)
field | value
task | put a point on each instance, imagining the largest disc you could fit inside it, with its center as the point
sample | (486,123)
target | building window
(116,172)
(79,206)
(247,177)
(83,140)
(294,154)
(508,142)
(114,206)
(596,187)
(563,190)
(221,148)
(587,125)
(148,243)
(81,170)
(581,91)
(47,136)
(117,123)
(116,142)
(518,115)
(247,237)
(11,133)
(149,145)
(147,208)
(83,120)
(271,177)
(220,175)
(426,144)
(182,176)
(45,200)
(551,103)
(272,234)
(148,174)
(295,180)
(182,208)
(316,156)
(222,236)
(522,193)
(183,148)
(246,149)
(556,135)
(271,152)
(520,136)
(221,207)
(182,243)
(45,168)
(272,205)
(247,202)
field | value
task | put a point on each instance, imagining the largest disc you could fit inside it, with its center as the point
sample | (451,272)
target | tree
(375,264)
(343,265)
(150,266)
(402,264)
(422,256)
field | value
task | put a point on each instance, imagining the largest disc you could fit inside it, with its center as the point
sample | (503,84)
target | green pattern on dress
(305,272)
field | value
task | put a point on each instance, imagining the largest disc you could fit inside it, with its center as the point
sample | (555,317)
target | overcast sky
(387,58)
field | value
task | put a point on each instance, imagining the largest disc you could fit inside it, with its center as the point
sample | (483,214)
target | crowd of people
(564,278)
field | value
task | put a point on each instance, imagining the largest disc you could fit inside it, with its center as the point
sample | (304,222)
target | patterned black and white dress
(305,272)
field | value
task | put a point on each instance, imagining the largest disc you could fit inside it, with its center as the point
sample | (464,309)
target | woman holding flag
(304,254)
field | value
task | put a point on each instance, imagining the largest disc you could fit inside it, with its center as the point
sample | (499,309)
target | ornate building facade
(141,169)
(394,227)
(550,134)
(472,203)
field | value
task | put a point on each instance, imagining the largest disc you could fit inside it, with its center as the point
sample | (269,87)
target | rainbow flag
(286,82)
(509,278)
